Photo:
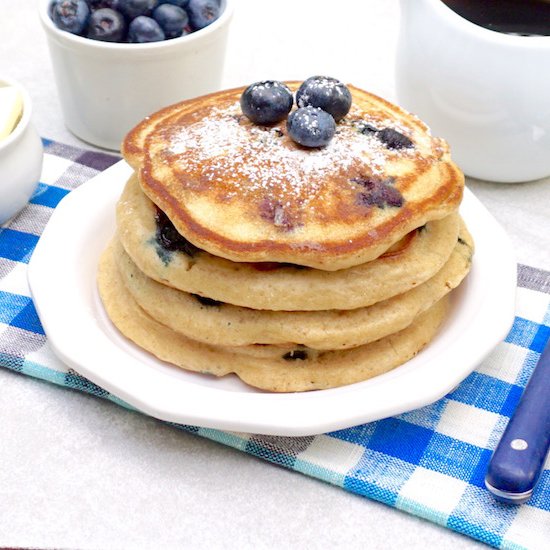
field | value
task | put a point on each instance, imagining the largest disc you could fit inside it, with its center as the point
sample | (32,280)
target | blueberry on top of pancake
(326,93)
(249,193)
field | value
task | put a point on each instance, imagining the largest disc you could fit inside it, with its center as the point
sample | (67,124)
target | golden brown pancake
(248,193)
(297,269)
(413,260)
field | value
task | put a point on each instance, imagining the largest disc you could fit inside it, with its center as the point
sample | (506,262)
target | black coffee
(522,17)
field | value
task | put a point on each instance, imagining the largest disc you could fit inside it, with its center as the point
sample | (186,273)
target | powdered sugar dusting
(225,148)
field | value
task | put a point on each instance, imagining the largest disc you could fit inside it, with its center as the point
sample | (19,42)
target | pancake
(223,324)
(270,286)
(328,369)
(248,193)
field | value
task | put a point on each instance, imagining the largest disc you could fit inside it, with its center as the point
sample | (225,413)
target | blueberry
(179,3)
(311,126)
(71,15)
(274,212)
(168,237)
(266,102)
(51,6)
(171,19)
(326,93)
(393,139)
(134,8)
(365,128)
(106,24)
(98,4)
(378,192)
(202,12)
(207,301)
(295,355)
(144,29)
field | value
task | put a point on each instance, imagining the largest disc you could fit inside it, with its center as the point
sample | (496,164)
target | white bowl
(107,88)
(21,156)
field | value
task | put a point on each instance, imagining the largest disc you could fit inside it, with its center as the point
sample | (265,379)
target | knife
(519,457)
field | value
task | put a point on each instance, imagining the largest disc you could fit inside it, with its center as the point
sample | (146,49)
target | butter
(11,109)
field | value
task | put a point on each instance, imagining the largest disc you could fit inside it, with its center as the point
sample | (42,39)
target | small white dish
(62,277)
(106,88)
(21,155)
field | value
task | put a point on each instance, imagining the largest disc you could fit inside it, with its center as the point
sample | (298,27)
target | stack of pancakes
(239,251)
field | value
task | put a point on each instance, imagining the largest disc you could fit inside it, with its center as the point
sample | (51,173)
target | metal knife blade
(519,457)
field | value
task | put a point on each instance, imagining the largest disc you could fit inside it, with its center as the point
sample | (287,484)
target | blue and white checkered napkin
(430,462)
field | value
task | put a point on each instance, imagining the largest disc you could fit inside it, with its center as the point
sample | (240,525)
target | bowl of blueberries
(117,61)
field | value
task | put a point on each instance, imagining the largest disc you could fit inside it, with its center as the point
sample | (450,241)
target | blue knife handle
(519,457)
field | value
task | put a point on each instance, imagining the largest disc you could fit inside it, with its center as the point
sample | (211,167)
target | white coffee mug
(486,92)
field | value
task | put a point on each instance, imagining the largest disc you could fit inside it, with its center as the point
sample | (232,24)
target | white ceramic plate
(62,275)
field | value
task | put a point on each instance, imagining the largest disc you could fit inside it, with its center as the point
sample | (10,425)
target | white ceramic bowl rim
(25,117)
(527,42)
(82,41)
